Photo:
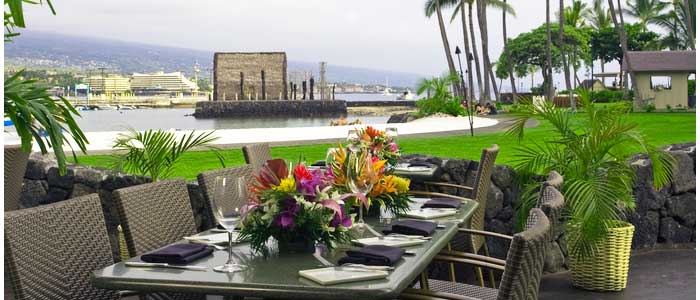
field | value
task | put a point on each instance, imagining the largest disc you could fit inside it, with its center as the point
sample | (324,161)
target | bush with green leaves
(591,149)
(691,87)
(438,98)
(154,153)
(36,115)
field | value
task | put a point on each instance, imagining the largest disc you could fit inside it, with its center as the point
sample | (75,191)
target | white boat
(407,95)
(387,89)
(106,107)
(119,107)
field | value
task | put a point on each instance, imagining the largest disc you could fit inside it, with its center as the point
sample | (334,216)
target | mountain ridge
(45,50)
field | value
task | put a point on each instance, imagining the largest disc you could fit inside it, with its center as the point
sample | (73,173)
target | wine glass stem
(361,220)
(230,248)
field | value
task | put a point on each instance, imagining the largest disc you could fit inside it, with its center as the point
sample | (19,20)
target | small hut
(662,76)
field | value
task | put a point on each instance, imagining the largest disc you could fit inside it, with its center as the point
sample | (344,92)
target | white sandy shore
(101,142)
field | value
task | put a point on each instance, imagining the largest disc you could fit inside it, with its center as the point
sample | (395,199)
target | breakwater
(271,108)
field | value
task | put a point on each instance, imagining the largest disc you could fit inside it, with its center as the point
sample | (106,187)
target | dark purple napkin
(420,164)
(412,227)
(319,163)
(373,255)
(442,203)
(177,254)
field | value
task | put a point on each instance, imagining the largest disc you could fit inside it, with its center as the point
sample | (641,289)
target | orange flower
(384,186)
(372,132)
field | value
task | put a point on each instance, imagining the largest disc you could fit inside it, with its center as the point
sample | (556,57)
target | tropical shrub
(438,98)
(591,150)
(36,115)
(691,87)
(154,153)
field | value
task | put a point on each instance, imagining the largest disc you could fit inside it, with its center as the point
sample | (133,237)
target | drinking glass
(228,215)
(392,132)
(360,177)
(353,137)
(330,157)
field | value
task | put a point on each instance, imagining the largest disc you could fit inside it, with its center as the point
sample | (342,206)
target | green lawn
(660,128)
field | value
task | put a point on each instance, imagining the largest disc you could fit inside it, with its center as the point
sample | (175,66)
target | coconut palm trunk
(620,26)
(565,63)
(549,88)
(509,59)
(477,62)
(689,24)
(445,42)
(467,51)
(489,80)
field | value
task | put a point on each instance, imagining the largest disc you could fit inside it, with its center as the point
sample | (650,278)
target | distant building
(662,76)
(162,83)
(109,84)
(593,84)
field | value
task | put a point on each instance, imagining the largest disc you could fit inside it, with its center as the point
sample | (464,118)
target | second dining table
(277,275)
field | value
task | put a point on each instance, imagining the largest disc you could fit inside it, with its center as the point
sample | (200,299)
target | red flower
(300,172)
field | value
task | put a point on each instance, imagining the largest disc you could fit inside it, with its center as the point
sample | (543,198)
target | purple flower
(285,220)
(342,219)
(307,186)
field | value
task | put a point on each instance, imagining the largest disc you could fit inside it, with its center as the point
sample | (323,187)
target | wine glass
(330,157)
(352,139)
(392,132)
(360,177)
(228,215)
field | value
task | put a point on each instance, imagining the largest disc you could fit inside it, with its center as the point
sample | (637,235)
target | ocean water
(181,118)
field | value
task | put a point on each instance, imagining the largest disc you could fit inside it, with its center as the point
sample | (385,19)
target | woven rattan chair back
(553,204)
(207,182)
(154,215)
(15,165)
(51,250)
(257,155)
(525,261)
(481,189)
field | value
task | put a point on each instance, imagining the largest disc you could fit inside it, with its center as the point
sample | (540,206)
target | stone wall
(271,108)
(664,217)
(43,185)
(227,75)
(408,103)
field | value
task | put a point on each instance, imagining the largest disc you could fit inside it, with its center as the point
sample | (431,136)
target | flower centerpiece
(389,190)
(378,143)
(297,207)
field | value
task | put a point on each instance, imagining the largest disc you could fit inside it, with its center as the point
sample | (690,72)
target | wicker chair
(51,250)
(155,215)
(207,181)
(521,272)
(478,192)
(15,166)
(257,155)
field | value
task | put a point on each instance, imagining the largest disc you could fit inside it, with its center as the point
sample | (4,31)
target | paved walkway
(657,274)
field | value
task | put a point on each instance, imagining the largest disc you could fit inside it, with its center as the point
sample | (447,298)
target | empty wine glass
(228,215)
(360,178)
(330,156)
(392,132)
(353,137)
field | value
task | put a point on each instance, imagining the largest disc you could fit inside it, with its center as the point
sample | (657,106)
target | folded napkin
(420,164)
(319,163)
(177,254)
(412,227)
(373,255)
(442,203)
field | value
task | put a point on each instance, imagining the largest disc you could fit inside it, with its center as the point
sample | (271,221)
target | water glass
(352,138)
(392,132)
(360,177)
(386,217)
(228,215)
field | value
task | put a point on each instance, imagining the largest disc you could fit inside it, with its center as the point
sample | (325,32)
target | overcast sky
(381,34)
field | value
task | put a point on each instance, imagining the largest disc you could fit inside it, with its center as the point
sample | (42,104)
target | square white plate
(430,213)
(389,241)
(336,275)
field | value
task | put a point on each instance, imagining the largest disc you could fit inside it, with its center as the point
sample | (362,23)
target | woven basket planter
(607,269)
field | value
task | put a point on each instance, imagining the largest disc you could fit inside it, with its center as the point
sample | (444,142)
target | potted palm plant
(591,150)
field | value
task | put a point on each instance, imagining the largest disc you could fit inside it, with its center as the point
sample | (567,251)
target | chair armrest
(416,294)
(486,233)
(424,193)
(452,185)
(460,254)
(473,262)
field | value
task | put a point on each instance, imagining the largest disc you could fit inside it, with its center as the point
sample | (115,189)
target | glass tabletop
(276,276)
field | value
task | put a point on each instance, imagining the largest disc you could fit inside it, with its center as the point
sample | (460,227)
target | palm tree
(644,10)
(623,44)
(690,29)
(598,16)
(431,7)
(679,35)
(509,59)
(548,79)
(567,77)
(574,16)
(490,80)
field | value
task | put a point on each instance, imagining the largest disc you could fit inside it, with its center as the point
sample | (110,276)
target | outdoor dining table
(276,276)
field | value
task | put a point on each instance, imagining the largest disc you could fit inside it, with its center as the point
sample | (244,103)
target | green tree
(37,116)
(599,16)
(645,11)
(528,50)
(438,98)
(435,7)
(674,24)
(605,43)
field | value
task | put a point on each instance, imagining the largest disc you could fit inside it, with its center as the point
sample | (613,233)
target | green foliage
(31,108)
(607,96)
(592,153)
(649,107)
(605,42)
(528,49)
(691,87)
(439,99)
(674,24)
(155,153)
